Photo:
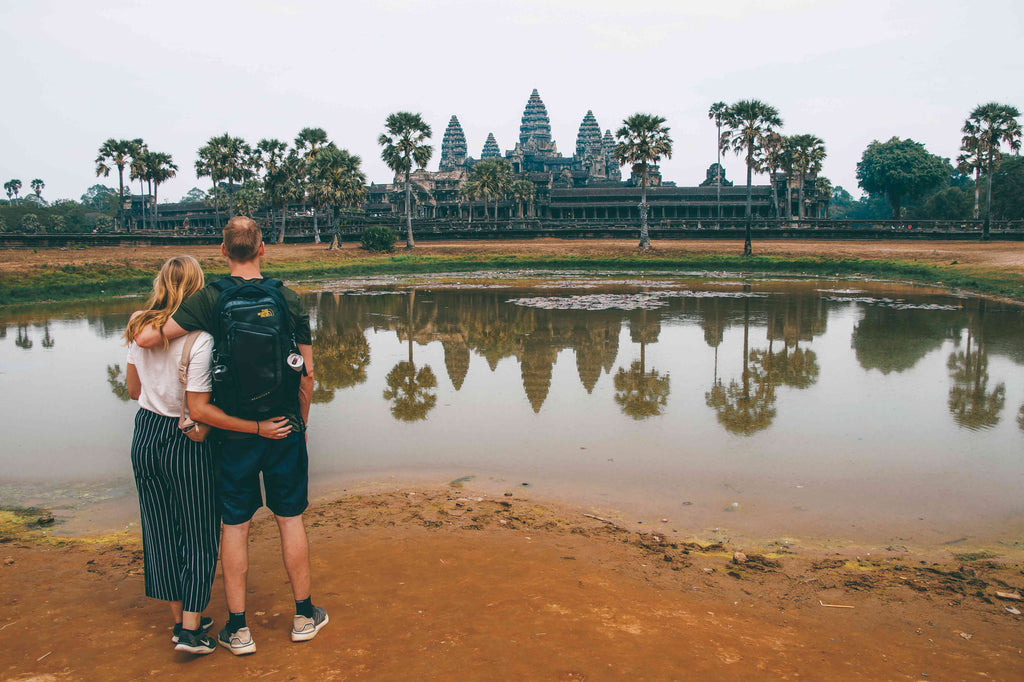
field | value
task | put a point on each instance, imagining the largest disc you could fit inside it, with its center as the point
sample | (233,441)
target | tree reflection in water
(118,383)
(970,402)
(641,393)
(22,340)
(1020,418)
(340,361)
(409,390)
(746,406)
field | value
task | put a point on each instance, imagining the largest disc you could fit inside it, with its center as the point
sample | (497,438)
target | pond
(807,411)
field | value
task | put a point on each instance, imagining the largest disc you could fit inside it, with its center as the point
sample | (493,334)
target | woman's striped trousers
(180,521)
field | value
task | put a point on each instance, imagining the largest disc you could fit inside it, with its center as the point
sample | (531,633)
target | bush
(377,238)
(30,223)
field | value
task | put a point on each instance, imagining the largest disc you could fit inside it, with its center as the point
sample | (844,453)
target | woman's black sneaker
(193,643)
(205,623)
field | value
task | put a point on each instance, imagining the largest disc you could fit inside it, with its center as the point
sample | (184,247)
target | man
(243,457)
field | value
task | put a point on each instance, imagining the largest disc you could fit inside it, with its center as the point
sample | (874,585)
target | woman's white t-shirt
(158,371)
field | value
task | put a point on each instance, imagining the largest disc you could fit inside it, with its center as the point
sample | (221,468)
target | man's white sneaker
(304,628)
(238,642)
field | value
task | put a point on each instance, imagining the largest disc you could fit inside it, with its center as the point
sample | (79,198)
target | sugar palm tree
(747,123)
(403,145)
(524,191)
(273,154)
(336,181)
(160,168)
(470,191)
(493,178)
(117,154)
(823,188)
(308,144)
(12,187)
(717,114)
(808,153)
(208,165)
(137,171)
(770,160)
(986,130)
(37,186)
(643,140)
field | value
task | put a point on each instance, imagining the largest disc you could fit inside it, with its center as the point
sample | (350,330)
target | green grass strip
(103,280)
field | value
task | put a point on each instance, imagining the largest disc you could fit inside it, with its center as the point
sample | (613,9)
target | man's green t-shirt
(199,311)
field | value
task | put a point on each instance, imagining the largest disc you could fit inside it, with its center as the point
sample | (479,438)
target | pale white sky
(177,73)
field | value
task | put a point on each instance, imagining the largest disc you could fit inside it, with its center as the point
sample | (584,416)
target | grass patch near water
(67,282)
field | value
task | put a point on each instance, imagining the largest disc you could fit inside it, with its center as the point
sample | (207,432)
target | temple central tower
(535,129)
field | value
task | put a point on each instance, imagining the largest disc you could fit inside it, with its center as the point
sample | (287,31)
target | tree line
(326,179)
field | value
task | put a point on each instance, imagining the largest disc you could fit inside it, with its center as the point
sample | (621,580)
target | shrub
(377,238)
(30,223)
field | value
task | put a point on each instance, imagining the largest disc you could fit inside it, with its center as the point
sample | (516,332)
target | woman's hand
(275,428)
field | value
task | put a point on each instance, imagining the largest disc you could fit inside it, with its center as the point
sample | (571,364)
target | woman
(173,474)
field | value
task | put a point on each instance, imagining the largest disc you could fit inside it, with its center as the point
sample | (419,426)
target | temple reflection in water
(774,347)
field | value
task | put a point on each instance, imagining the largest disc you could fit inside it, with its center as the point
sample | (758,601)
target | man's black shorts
(285,467)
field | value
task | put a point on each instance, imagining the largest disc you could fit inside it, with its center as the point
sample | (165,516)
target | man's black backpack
(252,342)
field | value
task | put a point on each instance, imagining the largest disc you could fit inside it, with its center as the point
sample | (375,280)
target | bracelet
(257,428)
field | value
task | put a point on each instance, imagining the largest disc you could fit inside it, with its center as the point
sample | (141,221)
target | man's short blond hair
(242,239)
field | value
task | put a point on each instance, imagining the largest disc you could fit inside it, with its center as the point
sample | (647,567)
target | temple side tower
(590,156)
(453,146)
(491,149)
(608,147)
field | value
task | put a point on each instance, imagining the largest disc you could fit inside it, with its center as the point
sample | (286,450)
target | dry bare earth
(449,585)
(996,256)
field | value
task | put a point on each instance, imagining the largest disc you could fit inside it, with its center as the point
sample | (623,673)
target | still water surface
(812,410)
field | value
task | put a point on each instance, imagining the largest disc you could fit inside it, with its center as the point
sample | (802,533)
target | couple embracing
(235,355)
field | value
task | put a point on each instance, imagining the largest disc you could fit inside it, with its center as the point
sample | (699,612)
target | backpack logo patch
(266,312)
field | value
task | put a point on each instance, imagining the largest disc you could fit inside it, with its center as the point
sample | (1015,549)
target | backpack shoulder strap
(186,354)
(223,284)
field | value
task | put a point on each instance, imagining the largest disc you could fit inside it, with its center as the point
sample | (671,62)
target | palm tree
(137,171)
(37,186)
(524,192)
(493,178)
(308,144)
(470,191)
(823,188)
(770,159)
(12,187)
(117,153)
(986,130)
(336,181)
(717,114)
(160,168)
(747,124)
(208,165)
(972,160)
(643,140)
(273,154)
(403,143)
(808,152)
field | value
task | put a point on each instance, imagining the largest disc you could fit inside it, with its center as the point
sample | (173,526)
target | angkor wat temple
(585,186)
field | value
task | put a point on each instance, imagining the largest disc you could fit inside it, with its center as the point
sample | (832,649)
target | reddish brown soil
(444,585)
(996,256)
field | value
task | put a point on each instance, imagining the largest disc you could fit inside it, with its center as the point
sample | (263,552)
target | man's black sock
(304,607)
(236,621)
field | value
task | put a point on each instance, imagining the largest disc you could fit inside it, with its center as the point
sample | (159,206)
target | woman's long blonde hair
(179,278)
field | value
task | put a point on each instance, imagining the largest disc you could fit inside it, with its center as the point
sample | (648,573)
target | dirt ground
(997,256)
(448,584)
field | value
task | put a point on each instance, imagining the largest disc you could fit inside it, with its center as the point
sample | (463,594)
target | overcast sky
(177,73)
